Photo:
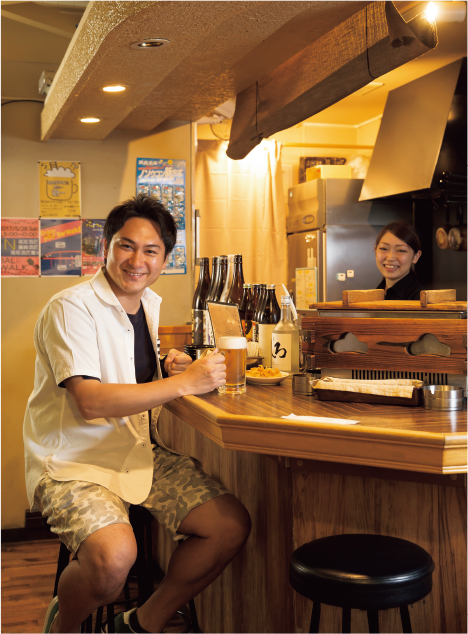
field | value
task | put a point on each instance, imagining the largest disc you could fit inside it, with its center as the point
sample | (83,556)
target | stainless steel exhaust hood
(421,136)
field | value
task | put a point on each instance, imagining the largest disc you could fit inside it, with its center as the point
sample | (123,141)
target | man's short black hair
(142,206)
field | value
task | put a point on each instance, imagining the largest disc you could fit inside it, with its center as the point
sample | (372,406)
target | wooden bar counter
(399,471)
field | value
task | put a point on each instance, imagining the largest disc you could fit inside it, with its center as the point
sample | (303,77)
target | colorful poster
(165,180)
(92,246)
(60,247)
(20,247)
(59,189)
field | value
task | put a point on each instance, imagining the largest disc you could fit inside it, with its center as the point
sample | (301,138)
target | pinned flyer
(164,179)
(92,241)
(59,189)
(20,247)
(60,247)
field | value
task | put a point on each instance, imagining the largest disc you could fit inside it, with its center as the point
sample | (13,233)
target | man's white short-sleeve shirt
(84,330)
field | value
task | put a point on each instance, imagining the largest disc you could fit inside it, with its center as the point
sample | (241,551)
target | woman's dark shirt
(407,288)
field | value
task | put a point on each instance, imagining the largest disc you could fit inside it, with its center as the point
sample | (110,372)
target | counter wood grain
(391,437)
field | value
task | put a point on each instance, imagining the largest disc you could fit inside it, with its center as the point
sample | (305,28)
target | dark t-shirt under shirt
(145,357)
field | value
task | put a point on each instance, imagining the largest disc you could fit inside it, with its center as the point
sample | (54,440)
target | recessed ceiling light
(114,88)
(90,120)
(150,42)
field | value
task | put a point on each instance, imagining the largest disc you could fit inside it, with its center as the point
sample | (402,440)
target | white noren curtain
(242,209)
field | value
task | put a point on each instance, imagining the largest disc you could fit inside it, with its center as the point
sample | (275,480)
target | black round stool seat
(368,572)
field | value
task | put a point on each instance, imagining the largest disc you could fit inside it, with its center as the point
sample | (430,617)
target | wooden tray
(358,397)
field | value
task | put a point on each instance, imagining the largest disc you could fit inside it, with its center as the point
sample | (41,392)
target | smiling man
(92,446)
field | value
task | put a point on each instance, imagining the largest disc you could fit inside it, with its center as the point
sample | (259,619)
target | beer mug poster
(59,189)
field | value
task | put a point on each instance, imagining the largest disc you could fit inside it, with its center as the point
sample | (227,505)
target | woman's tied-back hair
(404,231)
(142,206)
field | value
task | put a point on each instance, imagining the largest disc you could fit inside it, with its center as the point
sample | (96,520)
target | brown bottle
(222,266)
(199,300)
(237,286)
(245,312)
(268,318)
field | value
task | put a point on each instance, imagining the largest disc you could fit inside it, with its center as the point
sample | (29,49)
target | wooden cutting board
(456,306)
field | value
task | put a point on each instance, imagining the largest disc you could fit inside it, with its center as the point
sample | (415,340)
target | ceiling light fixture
(90,120)
(114,88)
(446,11)
(150,42)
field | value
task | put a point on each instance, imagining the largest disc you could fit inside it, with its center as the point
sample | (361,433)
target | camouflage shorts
(75,509)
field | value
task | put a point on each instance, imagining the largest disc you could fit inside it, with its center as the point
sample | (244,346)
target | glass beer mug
(234,350)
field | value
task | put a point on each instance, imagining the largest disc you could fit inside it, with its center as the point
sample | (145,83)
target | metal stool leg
(128,601)
(149,559)
(373,620)
(315,619)
(98,625)
(346,620)
(89,623)
(141,567)
(63,561)
(405,619)
(110,618)
(193,617)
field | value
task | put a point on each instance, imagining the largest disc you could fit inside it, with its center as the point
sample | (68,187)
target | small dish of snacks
(265,376)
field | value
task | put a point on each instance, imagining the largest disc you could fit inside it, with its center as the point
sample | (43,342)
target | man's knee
(223,519)
(106,557)
(236,525)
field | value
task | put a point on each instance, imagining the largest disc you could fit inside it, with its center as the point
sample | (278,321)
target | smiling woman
(397,248)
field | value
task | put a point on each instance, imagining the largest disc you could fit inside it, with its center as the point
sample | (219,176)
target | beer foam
(232,343)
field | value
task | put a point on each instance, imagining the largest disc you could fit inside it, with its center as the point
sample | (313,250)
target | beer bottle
(245,312)
(285,340)
(229,277)
(199,299)
(237,287)
(208,338)
(214,277)
(258,308)
(222,266)
(269,317)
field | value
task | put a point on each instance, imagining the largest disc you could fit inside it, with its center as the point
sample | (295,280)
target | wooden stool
(140,520)
(366,572)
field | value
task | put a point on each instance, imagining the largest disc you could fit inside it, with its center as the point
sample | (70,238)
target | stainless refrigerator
(331,231)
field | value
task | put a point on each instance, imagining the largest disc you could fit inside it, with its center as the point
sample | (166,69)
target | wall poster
(92,245)
(165,180)
(59,189)
(60,247)
(20,247)
(306,287)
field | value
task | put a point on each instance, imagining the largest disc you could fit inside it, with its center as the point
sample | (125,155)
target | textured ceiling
(216,50)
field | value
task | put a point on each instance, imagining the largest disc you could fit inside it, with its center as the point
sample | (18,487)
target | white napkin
(320,419)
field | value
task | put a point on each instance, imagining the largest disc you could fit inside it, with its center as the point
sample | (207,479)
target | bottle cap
(246,285)
(270,286)
(285,299)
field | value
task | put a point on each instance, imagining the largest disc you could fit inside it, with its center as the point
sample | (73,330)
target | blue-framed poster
(165,180)
(60,246)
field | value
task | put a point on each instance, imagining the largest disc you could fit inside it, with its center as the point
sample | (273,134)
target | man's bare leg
(96,578)
(219,529)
